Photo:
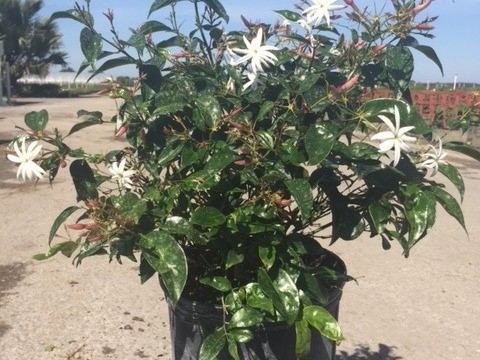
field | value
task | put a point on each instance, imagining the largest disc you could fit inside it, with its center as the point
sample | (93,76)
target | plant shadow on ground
(10,276)
(363,352)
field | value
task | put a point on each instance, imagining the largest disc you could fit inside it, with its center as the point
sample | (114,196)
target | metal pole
(7,83)
(2,103)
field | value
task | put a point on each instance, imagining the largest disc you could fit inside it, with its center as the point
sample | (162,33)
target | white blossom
(253,80)
(230,85)
(320,10)
(395,137)
(25,157)
(122,176)
(259,55)
(434,158)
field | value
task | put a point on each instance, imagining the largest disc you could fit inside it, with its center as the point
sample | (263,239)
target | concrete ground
(420,308)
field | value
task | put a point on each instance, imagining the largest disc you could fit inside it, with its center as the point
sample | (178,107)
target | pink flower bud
(420,7)
(424,26)
(239,127)
(121,131)
(378,48)
(92,226)
(284,202)
(350,83)
(77,226)
(95,238)
(104,91)
(352,4)
(360,43)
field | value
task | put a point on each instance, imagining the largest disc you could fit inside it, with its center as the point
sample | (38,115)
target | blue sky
(457,32)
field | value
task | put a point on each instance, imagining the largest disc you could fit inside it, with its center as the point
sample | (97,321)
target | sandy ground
(421,308)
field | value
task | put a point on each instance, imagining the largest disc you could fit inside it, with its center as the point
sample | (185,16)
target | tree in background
(32,44)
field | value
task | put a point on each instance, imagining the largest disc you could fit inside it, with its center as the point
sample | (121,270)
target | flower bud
(350,83)
(95,238)
(284,202)
(104,91)
(121,131)
(92,226)
(76,226)
(238,126)
(352,4)
(360,43)
(424,26)
(379,48)
(420,7)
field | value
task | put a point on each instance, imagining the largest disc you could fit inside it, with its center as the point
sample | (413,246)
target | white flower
(25,157)
(121,175)
(434,158)
(230,85)
(257,53)
(319,10)
(253,81)
(395,137)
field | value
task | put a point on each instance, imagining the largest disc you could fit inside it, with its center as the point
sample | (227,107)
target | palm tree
(32,44)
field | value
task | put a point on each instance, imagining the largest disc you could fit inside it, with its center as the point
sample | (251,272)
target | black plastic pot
(191,321)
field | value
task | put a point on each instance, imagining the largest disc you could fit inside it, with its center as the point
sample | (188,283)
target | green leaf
(217,282)
(302,335)
(267,106)
(449,203)
(417,211)
(151,76)
(452,174)
(319,141)
(463,148)
(217,6)
(430,53)
(241,335)
(210,111)
(67,248)
(212,345)
(234,258)
(380,213)
(324,322)
(60,220)
(171,151)
(37,121)
(233,348)
(130,206)
(82,17)
(167,257)
(302,194)
(244,318)
(91,44)
(84,180)
(289,15)
(220,160)
(153,26)
(112,64)
(283,293)
(179,226)
(207,217)
(267,255)
(257,299)
(159,4)
(82,125)
(399,66)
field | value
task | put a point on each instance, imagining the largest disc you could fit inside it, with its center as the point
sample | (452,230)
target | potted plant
(248,151)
